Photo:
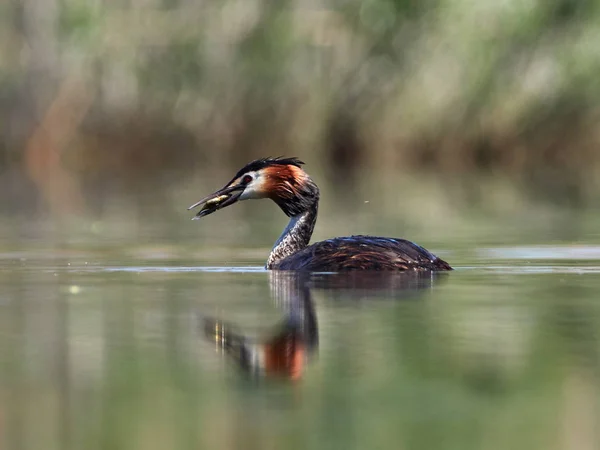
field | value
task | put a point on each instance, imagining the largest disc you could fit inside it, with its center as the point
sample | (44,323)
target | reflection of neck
(296,235)
(291,292)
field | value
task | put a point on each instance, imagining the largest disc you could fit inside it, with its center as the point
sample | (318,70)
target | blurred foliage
(452,87)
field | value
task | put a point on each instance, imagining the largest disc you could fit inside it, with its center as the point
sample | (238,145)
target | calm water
(99,353)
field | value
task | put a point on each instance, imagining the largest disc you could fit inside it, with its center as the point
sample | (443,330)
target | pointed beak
(217,200)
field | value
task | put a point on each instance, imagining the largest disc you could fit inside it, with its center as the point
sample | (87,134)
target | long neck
(296,235)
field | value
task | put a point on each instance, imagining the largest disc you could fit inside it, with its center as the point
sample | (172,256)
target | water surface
(114,352)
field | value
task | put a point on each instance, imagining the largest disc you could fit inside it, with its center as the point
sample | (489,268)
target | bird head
(281,179)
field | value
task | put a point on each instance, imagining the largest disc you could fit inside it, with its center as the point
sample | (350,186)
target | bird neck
(296,235)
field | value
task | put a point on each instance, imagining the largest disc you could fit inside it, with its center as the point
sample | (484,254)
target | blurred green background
(439,110)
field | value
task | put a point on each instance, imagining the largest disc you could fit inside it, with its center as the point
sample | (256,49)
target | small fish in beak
(220,199)
(215,202)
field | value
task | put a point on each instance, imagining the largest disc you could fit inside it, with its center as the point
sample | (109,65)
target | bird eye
(247,179)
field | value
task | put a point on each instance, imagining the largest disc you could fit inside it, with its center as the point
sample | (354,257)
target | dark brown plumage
(283,181)
(362,253)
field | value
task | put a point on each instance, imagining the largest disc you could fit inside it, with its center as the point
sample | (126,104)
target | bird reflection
(286,349)
(289,346)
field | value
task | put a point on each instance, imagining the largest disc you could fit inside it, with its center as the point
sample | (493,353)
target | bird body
(362,253)
(285,182)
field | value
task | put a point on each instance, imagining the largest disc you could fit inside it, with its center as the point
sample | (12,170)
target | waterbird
(284,181)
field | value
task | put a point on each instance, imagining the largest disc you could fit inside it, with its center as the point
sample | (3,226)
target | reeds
(165,88)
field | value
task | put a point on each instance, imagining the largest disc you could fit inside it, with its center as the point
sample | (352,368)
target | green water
(100,352)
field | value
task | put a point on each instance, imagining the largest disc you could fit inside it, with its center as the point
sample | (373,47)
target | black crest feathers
(259,164)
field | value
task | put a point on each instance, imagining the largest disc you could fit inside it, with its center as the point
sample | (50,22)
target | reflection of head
(284,352)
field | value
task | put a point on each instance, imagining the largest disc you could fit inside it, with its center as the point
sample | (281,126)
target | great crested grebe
(285,182)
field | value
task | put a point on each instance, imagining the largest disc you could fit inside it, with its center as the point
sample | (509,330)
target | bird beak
(218,200)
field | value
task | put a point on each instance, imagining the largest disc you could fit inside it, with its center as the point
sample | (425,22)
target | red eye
(247,179)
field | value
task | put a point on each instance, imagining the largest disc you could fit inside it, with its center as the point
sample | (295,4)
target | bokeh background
(468,126)
(448,121)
